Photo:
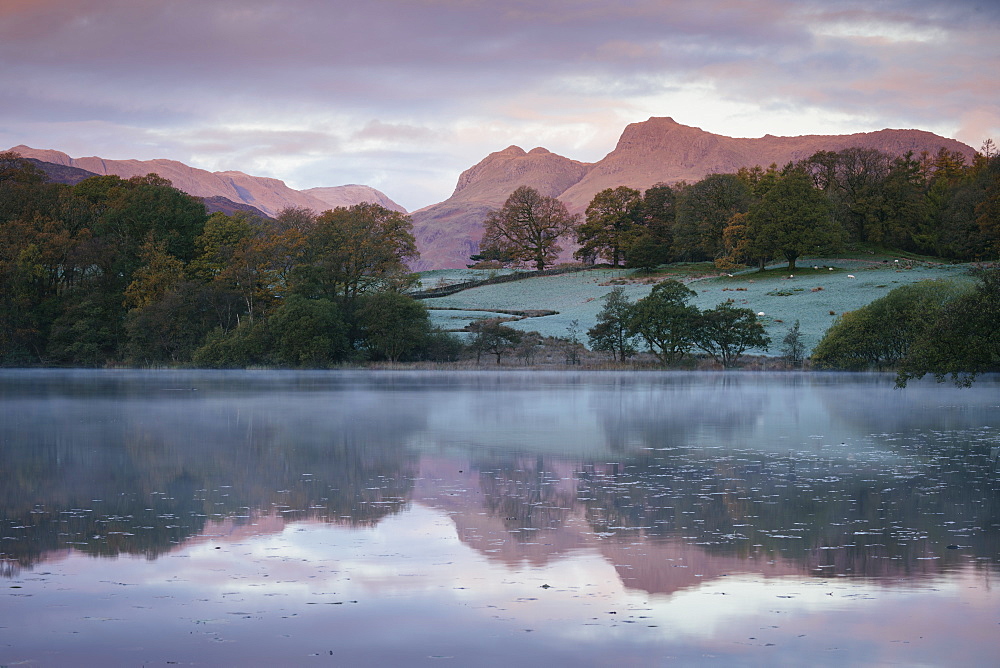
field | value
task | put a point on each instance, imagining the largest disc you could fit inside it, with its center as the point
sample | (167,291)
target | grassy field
(814,294)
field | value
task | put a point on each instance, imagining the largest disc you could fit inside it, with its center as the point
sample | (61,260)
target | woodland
(115,271)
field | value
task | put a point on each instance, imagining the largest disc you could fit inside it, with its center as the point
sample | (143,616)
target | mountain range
(658,150)
(267,195)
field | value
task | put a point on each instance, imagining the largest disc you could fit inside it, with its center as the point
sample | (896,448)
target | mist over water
(397,518)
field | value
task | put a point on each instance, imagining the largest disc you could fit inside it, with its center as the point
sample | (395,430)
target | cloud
(300,83)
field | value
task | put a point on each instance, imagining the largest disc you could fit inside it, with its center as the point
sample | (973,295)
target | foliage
(169,327)
(307,333)
(963,341)
(611,333)
(703,210)
(650,243)
(665,321)
(791,219)
(356,250)
(493,337)
(246,345)
(726,332)
(612,217)
(879,335)
(393,326)
(527,228)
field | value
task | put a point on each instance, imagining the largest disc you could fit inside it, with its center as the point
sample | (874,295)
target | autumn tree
(703,211)
(528,227)
(356,250)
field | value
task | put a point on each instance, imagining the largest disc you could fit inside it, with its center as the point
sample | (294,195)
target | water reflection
(598,519)
(825,474)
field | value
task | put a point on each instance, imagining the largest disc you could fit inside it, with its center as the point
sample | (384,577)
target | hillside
(659,150)
(266,194)
(814,297)
(446,232)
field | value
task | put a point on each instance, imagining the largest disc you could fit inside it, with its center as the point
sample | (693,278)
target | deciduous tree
(611,333)
(726,332)
(528,227)
(612,218)
(665,320)
(791,219)
(356,250)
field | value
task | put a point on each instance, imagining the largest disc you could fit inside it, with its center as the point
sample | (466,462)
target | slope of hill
(266,194)
(351,194)
(448,233)
(662,150)
(659,150)
(61,173)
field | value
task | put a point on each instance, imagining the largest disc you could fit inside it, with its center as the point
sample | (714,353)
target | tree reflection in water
(713,473)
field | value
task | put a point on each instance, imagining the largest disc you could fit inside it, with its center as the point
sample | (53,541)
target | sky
(403,95)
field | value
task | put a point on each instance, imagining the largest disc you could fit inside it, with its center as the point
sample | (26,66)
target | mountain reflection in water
(675,480)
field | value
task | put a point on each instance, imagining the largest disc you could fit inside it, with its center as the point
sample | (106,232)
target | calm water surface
(497,519)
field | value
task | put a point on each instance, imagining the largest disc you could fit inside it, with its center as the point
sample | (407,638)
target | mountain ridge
(658,150)
(267,194)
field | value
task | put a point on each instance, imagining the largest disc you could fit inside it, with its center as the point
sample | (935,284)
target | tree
(16,169)
(492,336)
(704,210)
(791,219)
(666,321)
(792,348)
(611,220)
(159,273)
(230,256)
(963,341)
(988,208)
(651,241)
(168,325)
(528,227)
(393,326)
(853,181)
(356,250)
(880,334)
(726,332)
(611,332)
(307,333)
(570,344)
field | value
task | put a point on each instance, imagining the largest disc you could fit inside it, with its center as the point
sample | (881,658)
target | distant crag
(264,194)
(659,150)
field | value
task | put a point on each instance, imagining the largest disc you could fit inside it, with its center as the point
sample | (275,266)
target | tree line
(937,204)
(133,271)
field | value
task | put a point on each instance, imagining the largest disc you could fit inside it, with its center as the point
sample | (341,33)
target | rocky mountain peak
(497,175)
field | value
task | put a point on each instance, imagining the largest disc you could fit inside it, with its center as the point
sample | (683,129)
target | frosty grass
(782,299)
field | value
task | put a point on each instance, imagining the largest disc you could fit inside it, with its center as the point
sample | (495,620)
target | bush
(963,341)
(879,335)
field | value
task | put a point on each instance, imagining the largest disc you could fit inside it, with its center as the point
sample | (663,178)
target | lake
(395,518)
